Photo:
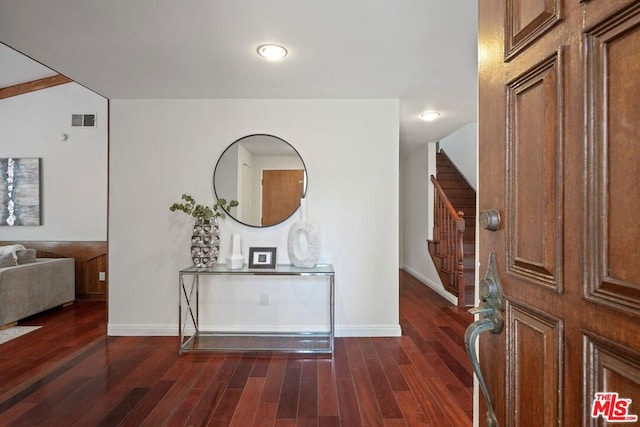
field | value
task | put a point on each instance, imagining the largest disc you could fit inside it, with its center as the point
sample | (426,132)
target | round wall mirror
(267,177)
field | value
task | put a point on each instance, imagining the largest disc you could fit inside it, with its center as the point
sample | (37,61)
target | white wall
(74,172)
(461,147)
(416,207)
(163,148)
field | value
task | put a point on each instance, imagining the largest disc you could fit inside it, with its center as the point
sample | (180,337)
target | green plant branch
(190,207)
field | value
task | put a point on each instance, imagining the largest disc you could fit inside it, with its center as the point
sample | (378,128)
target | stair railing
(448,231)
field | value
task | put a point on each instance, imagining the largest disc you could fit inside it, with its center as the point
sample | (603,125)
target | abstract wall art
(20,191)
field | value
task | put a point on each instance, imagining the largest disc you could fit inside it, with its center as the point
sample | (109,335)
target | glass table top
(280,270)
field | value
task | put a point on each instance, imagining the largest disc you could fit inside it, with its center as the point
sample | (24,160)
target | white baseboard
(431,284)
(369,331)
(142,330)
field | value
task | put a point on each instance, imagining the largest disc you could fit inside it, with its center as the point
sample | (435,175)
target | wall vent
(83,120)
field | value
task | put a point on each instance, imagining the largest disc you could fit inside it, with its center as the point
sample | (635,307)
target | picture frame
(20,191)
(262,257)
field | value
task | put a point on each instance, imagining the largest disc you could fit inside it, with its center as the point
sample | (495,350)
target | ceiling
(422,52)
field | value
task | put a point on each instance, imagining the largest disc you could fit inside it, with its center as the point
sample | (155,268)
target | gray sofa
(31,288)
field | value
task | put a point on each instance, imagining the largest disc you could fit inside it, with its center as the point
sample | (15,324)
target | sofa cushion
(7,260)
(26,256)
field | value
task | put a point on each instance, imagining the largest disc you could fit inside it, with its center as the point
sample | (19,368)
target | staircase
(453,246)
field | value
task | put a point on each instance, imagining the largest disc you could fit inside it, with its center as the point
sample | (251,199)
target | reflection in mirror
(267,177)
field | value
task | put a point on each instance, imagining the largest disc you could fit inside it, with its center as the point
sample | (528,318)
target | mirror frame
(306,178)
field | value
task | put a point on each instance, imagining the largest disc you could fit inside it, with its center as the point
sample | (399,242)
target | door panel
(534,181)
(526,20)
(613,49)
(281,194)
(534,360)
(609,366)
(559,150)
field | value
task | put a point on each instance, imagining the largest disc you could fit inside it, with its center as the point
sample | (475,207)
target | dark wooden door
(281,194)
(559,150)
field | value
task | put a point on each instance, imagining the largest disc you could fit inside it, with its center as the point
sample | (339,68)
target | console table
(199,340)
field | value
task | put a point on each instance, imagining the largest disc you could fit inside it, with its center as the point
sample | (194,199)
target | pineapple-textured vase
(205,242)
(303,242)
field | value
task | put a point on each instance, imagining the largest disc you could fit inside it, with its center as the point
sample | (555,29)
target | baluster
(441,227)
(452,248)
(449,246)
(448,234)
(459,276)
(436,219)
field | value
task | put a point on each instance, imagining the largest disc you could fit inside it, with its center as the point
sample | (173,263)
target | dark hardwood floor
(68,373)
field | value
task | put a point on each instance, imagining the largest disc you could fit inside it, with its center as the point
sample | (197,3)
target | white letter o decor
(296,255)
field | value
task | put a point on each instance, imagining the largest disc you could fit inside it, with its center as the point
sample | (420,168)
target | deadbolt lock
(490,219)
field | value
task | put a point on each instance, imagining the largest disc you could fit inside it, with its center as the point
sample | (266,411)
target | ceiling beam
(19,89)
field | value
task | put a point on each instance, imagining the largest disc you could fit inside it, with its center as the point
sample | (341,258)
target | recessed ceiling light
(272,52)
(429,116)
